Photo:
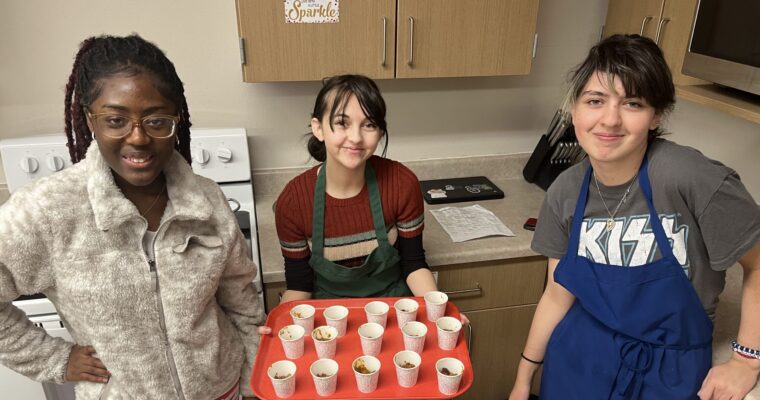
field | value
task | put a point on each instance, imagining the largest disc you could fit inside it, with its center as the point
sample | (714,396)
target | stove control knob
(29,165)
(201,156)
(224,154)
(55,163)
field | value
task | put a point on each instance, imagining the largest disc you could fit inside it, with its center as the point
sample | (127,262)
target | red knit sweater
(349,232)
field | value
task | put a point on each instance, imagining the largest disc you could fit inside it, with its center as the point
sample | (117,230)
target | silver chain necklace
(611,219)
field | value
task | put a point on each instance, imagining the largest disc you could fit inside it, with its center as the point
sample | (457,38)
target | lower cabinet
(498,337)
(499,297)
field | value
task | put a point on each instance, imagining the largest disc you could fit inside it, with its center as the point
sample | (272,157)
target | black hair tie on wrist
(529,360)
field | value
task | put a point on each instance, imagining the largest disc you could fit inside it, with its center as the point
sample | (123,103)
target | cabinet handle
(411,42)
(385,39)
(644,24)
(476,289)
(659,29)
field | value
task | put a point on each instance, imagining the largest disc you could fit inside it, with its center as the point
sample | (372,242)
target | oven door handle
(235,202)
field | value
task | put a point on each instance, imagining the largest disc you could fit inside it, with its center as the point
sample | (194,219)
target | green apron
(379,276)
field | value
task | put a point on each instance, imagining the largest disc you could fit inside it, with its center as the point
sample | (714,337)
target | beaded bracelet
(529,360)
(745,351)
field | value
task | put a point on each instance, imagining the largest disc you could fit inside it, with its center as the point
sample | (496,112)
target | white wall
(734,141)
(428,118)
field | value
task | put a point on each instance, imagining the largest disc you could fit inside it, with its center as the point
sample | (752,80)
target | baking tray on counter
(349,348)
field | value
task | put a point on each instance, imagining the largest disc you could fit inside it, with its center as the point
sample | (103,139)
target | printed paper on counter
(312,11)
(467,223)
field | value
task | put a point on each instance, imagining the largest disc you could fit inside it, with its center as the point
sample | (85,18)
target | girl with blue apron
(379,276)
(633,332)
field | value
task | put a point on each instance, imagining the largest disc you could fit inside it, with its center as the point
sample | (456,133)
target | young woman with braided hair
(143,259)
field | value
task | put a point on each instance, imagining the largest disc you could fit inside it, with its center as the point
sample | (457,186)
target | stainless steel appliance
(725,44)
(218,154)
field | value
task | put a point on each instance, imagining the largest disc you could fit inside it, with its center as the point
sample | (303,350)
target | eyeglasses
(118,126)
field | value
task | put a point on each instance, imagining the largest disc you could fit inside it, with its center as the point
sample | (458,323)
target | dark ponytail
(101,57)
(337,91)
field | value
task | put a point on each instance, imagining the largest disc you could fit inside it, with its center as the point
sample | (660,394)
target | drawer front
(491,284)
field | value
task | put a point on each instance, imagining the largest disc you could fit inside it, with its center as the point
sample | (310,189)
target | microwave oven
(724,46)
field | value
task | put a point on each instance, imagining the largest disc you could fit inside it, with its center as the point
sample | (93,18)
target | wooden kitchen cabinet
(667,22)
(442,38)
(362,42)
(454,38)
(625,16)
(499,298)
(498,338)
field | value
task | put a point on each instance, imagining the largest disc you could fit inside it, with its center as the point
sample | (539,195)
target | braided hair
(104,56)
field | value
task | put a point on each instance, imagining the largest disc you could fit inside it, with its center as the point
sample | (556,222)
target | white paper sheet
(472,222)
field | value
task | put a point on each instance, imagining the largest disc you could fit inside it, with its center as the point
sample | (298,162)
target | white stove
(218,154)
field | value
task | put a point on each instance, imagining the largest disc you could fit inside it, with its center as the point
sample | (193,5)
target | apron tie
(635,360)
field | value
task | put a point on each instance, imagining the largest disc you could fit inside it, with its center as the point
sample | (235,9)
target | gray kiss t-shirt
(709,217)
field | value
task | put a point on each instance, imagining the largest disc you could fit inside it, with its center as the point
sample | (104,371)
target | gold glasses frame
(140,122)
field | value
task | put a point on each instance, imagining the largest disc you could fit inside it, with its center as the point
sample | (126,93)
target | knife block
(539,169)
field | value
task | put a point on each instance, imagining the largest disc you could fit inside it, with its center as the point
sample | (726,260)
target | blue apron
(633,332)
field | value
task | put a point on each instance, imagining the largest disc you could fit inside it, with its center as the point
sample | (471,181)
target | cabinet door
(677,20)
(498,337)
(361,42)
(449,38)
(627,16)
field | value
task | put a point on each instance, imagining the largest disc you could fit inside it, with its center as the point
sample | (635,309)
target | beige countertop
(521,200)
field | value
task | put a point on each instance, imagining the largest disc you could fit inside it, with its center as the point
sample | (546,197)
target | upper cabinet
(667,22)
(362,42)
(448,38)
(386,39)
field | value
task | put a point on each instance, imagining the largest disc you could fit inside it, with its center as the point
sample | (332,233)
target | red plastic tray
(349,347)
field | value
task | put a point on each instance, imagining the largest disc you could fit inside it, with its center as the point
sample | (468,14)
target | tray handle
(469,338)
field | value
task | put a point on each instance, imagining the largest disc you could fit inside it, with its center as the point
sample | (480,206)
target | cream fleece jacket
(186,331)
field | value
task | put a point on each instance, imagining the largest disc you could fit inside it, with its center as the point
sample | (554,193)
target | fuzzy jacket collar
(111,208)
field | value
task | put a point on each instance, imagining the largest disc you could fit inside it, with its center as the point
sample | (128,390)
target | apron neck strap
(376,204)
(318,217)
(654,220)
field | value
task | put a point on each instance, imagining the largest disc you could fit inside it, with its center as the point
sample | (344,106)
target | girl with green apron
(355,250)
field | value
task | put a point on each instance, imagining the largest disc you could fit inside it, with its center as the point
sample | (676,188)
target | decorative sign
(312,11)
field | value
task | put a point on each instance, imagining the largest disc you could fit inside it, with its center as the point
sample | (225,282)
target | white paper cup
(377,312)
(325,341)
(337,317)
(303,314)
(407,367)
(366,381)
(291,337)
(435,303)
(406,310)
(283,377)
(371,336)
(448,383)
(448,332)
(324,372)
(414,336)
